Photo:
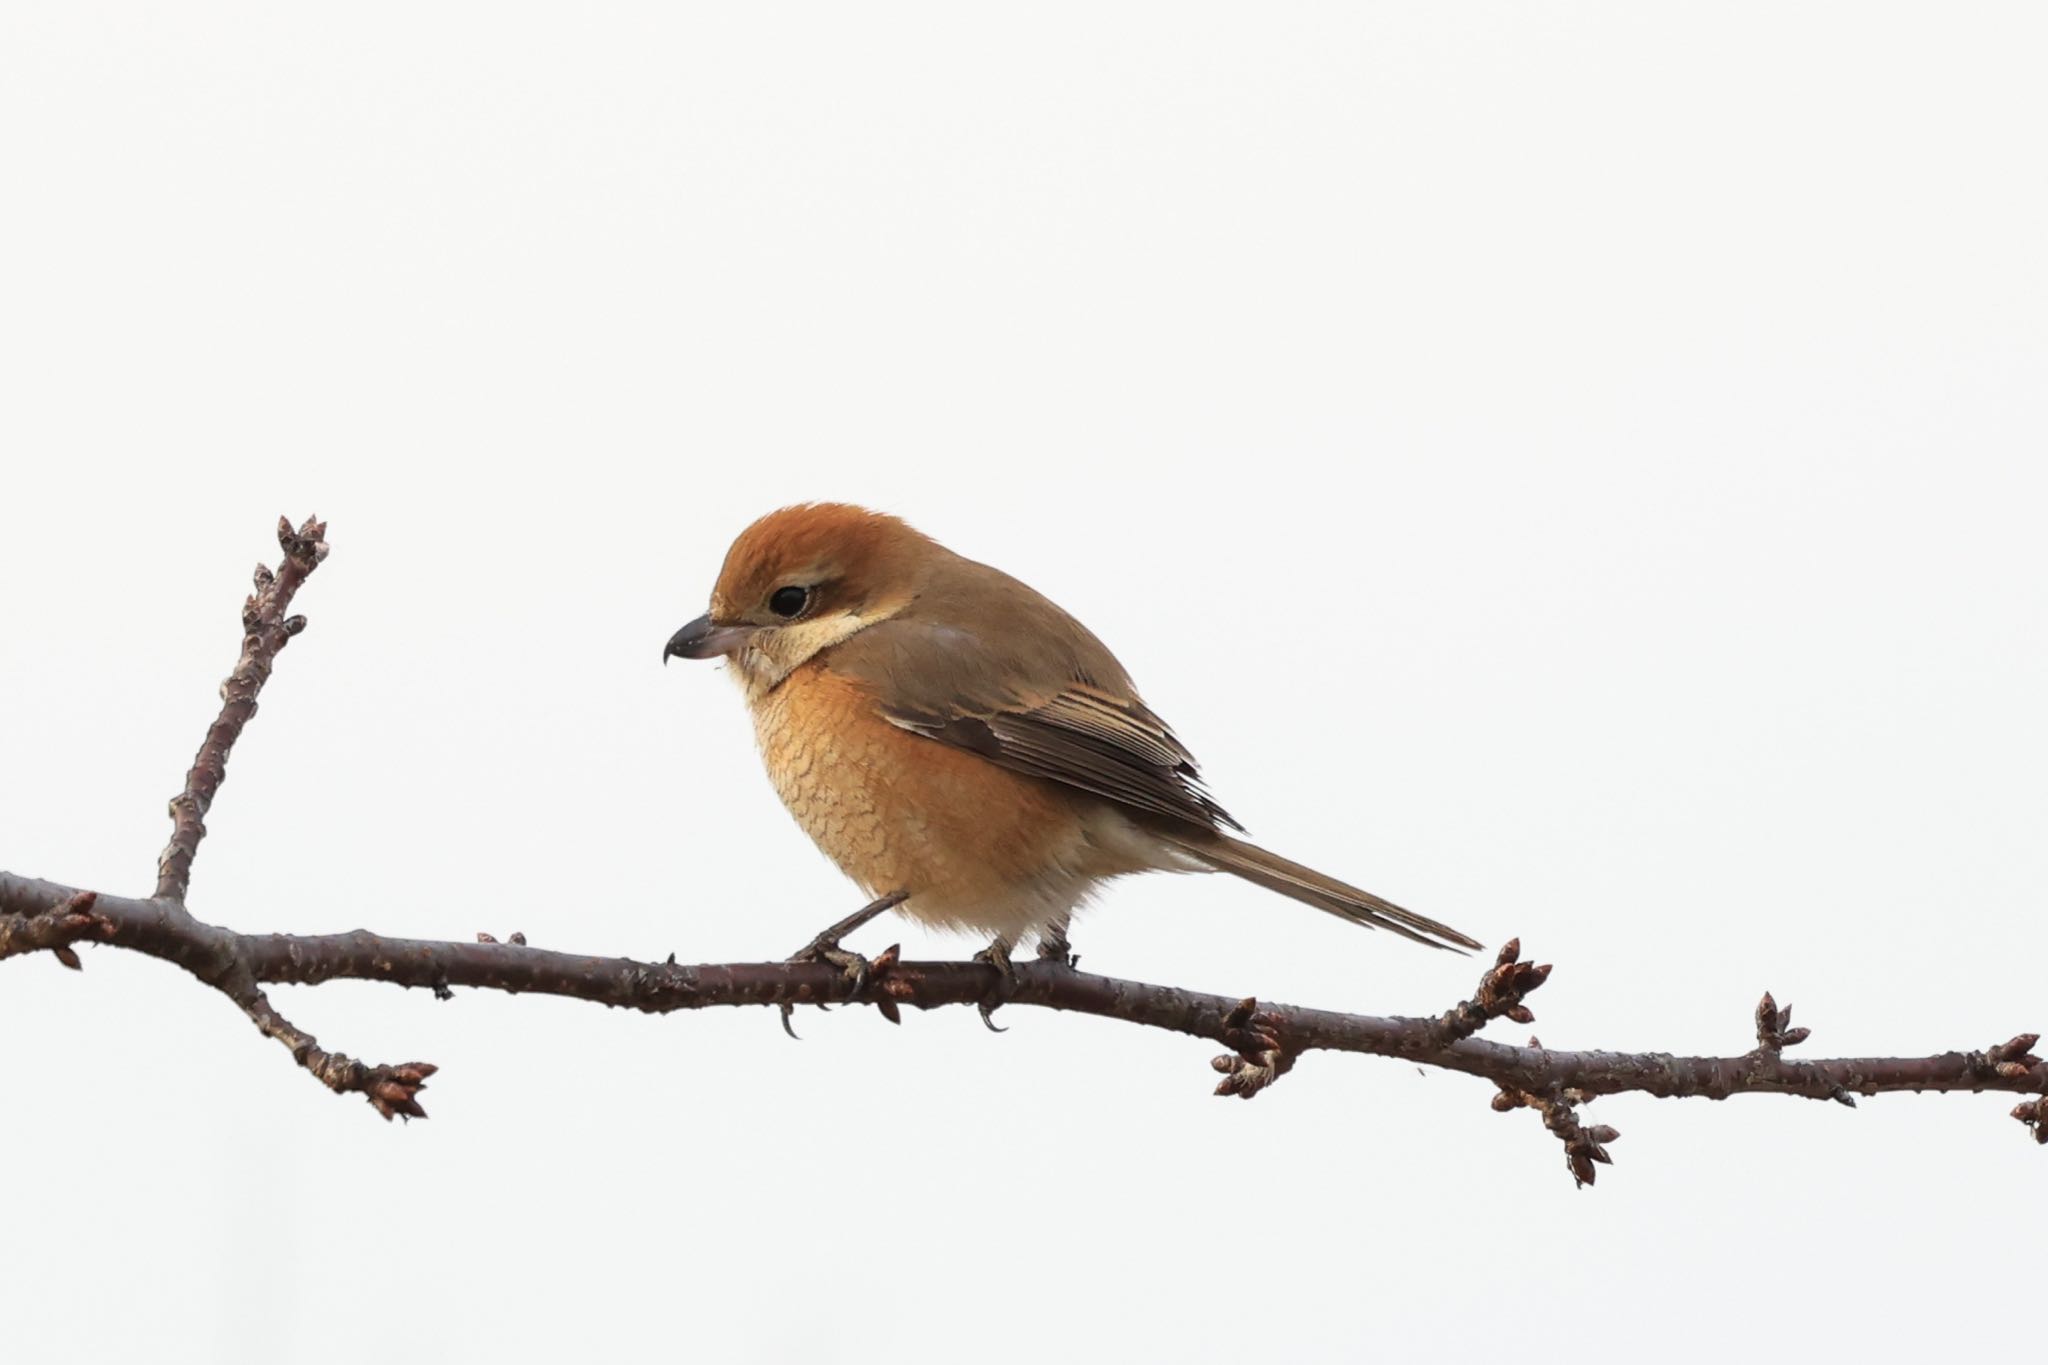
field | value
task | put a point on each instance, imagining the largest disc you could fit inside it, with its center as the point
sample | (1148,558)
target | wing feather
(1136,767)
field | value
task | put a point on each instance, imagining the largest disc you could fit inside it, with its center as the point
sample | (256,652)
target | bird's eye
(789,601)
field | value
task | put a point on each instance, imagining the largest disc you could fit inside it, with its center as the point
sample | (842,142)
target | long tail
(1311,887)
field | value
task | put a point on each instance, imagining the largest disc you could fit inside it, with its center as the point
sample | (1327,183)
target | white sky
(1576,470)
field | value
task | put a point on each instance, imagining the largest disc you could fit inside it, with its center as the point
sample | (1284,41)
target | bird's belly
(826,777)
(975,846)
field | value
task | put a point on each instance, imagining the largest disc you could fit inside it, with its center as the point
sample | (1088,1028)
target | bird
(967,752)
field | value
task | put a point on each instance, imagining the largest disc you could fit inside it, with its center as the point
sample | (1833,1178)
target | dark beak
(704,638)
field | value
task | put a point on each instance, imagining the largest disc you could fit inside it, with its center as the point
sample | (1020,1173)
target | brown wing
(1080,737)
(1041,696)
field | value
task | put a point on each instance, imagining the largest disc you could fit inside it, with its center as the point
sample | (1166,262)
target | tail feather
(1311,887)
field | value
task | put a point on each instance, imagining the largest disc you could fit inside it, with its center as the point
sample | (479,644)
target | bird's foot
(996,955)
(1053,947)
(826,948)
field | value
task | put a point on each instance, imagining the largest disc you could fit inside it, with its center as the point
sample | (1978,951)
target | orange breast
(970,842)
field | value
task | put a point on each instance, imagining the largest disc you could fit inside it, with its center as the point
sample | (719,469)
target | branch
(266,631)
(1264,1041)
(39,914)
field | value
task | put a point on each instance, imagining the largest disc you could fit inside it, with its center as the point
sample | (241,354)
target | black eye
(789,601)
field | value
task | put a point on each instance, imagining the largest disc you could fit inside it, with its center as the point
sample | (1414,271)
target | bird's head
(800,580)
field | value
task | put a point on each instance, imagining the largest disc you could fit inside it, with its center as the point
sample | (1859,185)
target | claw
(996,955)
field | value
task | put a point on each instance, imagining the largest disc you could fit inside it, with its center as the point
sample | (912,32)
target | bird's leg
(826,948)
(1053,945)
(996,955)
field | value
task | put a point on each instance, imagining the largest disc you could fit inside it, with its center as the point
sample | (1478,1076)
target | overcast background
(1576,470)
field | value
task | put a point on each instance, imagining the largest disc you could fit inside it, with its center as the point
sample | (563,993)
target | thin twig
(265,631)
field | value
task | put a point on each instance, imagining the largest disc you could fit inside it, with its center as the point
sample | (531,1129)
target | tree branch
(1264,1040)
(265,632)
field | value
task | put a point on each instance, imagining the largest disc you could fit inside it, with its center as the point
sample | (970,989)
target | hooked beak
(703,638)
